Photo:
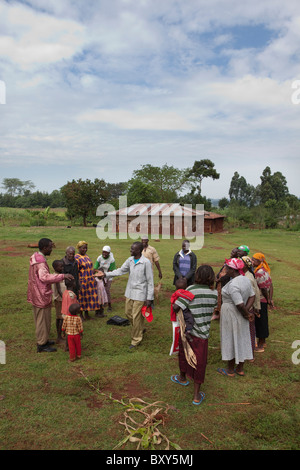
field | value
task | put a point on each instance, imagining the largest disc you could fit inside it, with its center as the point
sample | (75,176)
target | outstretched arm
(124,269)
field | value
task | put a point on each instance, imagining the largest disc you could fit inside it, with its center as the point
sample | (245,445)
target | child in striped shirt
(202,308)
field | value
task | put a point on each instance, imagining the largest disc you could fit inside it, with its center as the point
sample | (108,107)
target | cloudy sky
(95,89)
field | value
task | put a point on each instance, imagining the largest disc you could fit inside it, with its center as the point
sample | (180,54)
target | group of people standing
(78,280)
(238,296)
(73,282)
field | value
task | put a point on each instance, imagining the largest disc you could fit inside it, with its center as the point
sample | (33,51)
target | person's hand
(256,312)
(69,277)
(160,275)
(216,315)
(148,303)
(99,274)
(251,317)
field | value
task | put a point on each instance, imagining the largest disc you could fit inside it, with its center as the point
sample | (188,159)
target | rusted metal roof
(164,209)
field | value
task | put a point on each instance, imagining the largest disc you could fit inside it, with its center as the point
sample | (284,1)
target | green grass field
(47,403)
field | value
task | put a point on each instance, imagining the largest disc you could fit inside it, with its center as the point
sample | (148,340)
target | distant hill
(215,202)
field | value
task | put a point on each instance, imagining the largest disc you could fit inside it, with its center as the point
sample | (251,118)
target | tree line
(262,205)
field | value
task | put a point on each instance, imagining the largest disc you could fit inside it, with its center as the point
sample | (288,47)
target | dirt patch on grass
(15,254)
(120,388)
(14,250)
(132,388)
(94,402)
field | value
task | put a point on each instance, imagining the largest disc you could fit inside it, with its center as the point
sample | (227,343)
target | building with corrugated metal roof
(166,219)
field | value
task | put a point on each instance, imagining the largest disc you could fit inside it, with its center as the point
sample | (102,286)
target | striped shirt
(184,264)
(201,307)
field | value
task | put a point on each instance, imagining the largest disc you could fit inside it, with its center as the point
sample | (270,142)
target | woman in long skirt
(237,299)
(88,295)
(262,273)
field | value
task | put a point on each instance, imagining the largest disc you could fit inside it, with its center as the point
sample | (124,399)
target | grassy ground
(48,403)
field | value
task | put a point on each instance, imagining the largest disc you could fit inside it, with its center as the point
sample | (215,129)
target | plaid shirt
(72,325)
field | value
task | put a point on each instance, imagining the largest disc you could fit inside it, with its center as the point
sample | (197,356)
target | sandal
(175,379)
(224,372)
(202,396)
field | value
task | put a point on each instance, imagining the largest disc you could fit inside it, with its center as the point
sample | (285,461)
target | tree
(139,192)
(240,191)
(200,170)
(223,203)
(56,199)
(14,186)
(83,197)
(166,181)
(272,187)
(195,198)
(293,202)
(115,190)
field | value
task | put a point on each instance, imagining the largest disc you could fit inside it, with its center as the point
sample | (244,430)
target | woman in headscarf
(106,262)
(88,296)
(248,270)
(237,300)
(262,273)
(222,277)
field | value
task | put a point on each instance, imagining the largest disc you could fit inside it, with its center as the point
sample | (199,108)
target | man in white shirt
(139,290)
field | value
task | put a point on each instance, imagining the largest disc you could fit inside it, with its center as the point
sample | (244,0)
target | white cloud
(34,38)
(120,83)
(255,92)
(167,121)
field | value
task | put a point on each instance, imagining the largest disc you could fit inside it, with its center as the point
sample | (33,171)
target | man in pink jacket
(39,293)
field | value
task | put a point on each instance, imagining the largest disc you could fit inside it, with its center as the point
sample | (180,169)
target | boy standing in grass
(72,326)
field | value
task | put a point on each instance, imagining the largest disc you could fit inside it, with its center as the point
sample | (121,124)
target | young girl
(72,326)
(102,295)
(106,262)
(202,308)
(68,298)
